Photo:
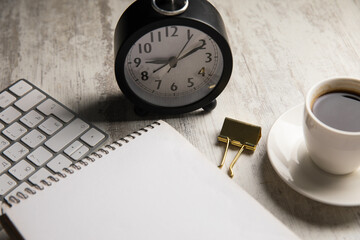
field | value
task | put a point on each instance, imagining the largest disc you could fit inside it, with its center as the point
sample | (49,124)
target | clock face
(173,66)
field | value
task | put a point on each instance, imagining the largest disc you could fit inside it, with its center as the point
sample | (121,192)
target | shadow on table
(117,108)
(301,207)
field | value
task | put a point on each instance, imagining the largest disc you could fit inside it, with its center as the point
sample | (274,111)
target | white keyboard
(39,137)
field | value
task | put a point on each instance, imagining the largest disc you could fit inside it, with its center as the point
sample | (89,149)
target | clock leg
(140,111)
(210,106)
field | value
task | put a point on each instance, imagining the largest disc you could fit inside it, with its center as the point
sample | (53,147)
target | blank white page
(157,186)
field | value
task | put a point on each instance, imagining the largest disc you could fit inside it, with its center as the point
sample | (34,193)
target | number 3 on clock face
(173,66)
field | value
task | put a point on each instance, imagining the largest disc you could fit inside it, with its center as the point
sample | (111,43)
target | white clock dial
(173,66)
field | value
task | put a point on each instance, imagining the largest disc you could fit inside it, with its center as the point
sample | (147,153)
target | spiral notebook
(153,184)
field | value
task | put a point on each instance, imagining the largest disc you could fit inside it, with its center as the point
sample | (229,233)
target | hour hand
(158,61)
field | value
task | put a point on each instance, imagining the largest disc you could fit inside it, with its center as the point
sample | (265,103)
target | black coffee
(340,110)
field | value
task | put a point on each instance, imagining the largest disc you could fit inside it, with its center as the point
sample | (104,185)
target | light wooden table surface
(280,48)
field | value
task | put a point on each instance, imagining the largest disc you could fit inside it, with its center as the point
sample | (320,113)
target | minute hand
(191,52)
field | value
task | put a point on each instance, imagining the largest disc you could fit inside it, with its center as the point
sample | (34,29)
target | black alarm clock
(172,56)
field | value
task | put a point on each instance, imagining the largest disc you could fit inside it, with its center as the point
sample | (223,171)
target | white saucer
(289,157)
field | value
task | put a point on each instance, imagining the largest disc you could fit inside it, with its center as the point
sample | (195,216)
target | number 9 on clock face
(173,66)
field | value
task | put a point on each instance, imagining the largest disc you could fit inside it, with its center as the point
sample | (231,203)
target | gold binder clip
(240,134)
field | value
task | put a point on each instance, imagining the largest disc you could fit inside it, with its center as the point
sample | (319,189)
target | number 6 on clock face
(173,66)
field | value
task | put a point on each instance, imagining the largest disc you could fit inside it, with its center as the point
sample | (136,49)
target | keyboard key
(67,135)
(15,131)
(51,107)
(59,163)
(41,174)
(30,100)
(92,137)
(39,156)
(20,88)
(6,183)
(4,164)
(21,188)
(21,170)
(73,147)
(50,126)
(3,143)
(1,126)
(9,115)
(6,99)
(33,138)
(80,153)
(16,151)
(32,119)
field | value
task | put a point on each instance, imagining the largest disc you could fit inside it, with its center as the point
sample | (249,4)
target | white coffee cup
(335,151)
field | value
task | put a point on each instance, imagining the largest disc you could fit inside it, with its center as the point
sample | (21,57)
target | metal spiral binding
(76,166)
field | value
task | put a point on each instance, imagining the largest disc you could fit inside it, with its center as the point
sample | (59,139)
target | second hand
(189,38)
(172,58)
